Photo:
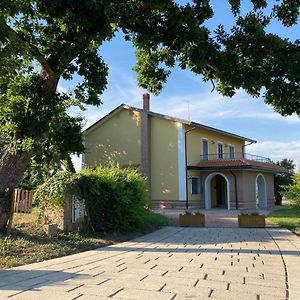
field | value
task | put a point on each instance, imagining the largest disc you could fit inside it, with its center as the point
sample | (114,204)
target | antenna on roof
(188,107)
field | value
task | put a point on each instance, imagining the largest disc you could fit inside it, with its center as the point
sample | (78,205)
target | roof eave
(107,116)
(166,117)
(223,132)
(248,167)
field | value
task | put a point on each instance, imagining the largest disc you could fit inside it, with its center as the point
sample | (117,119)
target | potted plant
(192,220)
(253,220)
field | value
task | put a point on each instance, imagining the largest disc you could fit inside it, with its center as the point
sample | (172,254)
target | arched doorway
(217,191)
(261,192)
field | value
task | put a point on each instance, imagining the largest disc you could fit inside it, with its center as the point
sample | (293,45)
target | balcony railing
(234,156)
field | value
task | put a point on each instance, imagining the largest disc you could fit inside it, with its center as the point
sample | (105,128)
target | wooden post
(21,200)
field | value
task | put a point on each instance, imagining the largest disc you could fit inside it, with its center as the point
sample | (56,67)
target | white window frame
(218,156)
(199,185)
(231,146)
(202,152)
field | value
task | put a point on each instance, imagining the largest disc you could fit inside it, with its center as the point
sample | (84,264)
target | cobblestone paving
(171,263)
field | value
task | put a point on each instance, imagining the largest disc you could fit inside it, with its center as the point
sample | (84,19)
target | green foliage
(153,220)
(28,243)
(196,213)
(115,199)
(199,213)
(53,192)
(44,41)
(292,191)
(23,247)
(40,170)
(288,217)
(283,179)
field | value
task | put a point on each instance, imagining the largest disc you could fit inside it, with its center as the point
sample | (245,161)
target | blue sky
(185,94)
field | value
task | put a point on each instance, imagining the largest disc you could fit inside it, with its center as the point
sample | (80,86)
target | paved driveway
(171,263)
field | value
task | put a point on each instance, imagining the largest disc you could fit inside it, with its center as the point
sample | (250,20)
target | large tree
(42,41)
(284,179)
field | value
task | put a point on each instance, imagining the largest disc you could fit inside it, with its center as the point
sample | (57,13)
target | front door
(220,191)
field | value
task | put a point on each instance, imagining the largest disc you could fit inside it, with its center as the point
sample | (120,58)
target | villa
(187,164)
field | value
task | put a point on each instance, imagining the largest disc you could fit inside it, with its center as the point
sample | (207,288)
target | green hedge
(115,198)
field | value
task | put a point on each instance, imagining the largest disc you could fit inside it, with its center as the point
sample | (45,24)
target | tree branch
(212,66)
(213,84)
(33,50)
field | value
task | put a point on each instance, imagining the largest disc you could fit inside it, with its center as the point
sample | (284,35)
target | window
(220,151)
(231,152)
(204,149)
(195,189)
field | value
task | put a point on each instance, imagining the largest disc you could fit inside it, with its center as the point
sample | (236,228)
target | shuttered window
(195,185)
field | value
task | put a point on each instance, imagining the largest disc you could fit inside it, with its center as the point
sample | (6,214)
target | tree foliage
(115,199)
(283,179)
(292,191)
(44,41)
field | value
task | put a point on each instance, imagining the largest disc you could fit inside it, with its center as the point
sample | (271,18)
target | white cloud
(207,108)
(271,116)
(277,150)
(76,162)
(61,88)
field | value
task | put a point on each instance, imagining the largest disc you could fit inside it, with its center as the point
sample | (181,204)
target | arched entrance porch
(217,191)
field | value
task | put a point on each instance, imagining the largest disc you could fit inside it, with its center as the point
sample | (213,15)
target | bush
(55,189)
(292,191)
(115,199)
(283,179)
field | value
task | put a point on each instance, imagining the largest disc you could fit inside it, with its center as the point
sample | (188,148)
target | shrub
(283,179)
(253,213)
(55,189)
(115,199)
(292,191)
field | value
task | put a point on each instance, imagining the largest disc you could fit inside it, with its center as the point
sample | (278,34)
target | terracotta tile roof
(238,164)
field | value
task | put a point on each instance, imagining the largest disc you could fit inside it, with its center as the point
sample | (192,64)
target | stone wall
(62,217)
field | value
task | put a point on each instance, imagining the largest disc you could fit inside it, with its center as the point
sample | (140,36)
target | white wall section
(181,163)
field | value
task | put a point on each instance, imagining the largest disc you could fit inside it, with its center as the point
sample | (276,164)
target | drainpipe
(186,172)
(235,188)
(243,148)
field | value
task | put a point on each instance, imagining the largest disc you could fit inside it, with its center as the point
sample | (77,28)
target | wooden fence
(22,201)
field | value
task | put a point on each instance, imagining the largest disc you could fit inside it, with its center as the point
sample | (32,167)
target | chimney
(146,101)
(146,140)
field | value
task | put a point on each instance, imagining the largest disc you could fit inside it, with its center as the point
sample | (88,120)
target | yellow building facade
(184,161)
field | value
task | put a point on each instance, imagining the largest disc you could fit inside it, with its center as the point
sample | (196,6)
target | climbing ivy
(115,198)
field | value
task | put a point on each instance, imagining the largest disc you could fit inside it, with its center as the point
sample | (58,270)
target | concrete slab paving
(171,263)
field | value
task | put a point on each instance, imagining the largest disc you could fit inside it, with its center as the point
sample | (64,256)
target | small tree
(283,179)
(292,191)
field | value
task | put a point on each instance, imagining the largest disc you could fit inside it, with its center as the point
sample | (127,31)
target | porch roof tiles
(238,164)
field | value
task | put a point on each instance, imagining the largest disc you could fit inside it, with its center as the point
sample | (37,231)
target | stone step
(176,204)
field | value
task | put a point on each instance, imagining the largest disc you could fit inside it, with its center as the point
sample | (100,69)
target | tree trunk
(12,168)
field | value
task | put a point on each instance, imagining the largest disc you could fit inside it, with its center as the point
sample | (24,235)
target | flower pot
(189,220)
(252,221)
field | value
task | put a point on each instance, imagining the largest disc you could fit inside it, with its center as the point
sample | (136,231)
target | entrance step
(176,204)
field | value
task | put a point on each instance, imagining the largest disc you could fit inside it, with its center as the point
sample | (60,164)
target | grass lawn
(286,216)
(28,243)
